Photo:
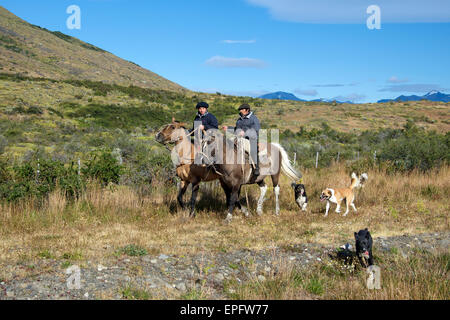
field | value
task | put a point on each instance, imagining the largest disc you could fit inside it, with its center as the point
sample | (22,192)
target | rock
(153,261)
(219,277)
(163,257)
(261,278)
(180,286)
(86,295)
(101,268)
(10,294)
(168,285)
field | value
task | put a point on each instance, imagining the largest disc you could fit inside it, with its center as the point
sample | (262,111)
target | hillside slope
(38,52)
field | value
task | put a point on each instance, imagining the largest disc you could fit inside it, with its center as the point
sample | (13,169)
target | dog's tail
(286,165)
(355,181)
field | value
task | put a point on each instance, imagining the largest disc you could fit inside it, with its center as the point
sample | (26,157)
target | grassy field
(68,120)
(97,225)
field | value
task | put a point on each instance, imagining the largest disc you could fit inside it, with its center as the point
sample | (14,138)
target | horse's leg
(233,200)
(276,190)
(263,189)
(183,187)
(227,191)
(195,187)
(238,204)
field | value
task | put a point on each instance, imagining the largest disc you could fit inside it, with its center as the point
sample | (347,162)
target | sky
(312,48)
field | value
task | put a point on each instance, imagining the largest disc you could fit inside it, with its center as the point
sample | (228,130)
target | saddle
(245,144)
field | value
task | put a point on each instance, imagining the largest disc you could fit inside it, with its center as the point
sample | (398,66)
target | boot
(256,170)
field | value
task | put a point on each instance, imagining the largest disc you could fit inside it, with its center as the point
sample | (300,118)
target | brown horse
(234,172)
(183,158)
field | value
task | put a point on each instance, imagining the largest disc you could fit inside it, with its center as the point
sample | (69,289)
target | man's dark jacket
(249,124)
(208,120)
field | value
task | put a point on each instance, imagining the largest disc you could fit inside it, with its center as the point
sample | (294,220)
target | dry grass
(423,276)
(104,220)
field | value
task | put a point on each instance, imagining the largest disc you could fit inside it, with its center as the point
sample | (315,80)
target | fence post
(375,156)
(38,169)
(317,159)
(79,167)
(295,157)
(339,153)
(358,156)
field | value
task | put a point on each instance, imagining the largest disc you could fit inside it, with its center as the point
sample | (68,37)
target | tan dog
(338,195)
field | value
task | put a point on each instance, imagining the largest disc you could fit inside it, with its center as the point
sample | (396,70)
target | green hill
(37,52)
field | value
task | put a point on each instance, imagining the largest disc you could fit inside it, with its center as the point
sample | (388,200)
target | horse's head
(171,132)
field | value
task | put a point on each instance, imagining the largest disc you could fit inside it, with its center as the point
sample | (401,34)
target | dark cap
(244,106)
(202,105)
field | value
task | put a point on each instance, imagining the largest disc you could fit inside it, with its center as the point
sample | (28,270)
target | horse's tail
(286,165)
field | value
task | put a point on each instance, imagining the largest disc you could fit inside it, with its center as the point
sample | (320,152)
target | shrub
(28,181)
(133,250)
(104,168)
(417,149)
(3,144)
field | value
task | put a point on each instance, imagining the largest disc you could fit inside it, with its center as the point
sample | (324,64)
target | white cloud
(238,41)
(354,11)
(224,62)
(394,79)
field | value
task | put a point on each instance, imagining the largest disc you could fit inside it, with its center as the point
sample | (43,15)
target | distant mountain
(280,95)
(37,52)
(330,100)
(431,96)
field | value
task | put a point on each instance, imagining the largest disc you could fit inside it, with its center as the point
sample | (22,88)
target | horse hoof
(228,218)
(245,211)
(259,212)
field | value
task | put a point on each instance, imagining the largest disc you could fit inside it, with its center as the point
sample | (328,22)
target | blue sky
(314,49)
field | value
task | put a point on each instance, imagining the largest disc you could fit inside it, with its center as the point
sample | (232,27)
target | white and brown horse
(234,173)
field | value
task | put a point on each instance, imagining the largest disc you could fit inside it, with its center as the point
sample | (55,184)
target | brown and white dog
(347,194)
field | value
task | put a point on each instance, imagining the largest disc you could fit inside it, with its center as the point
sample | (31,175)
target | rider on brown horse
(203,121)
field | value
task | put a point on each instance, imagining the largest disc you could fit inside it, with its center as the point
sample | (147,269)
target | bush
(3,144)
(417,149)
(104,168)
(26,180)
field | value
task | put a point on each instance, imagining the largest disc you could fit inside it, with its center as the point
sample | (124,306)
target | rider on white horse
(248,126)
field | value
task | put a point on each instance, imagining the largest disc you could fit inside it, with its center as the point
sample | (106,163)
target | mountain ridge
(433,95)
(281,95)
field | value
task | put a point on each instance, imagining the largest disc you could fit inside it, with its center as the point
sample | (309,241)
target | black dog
(300,195)
(364,247)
